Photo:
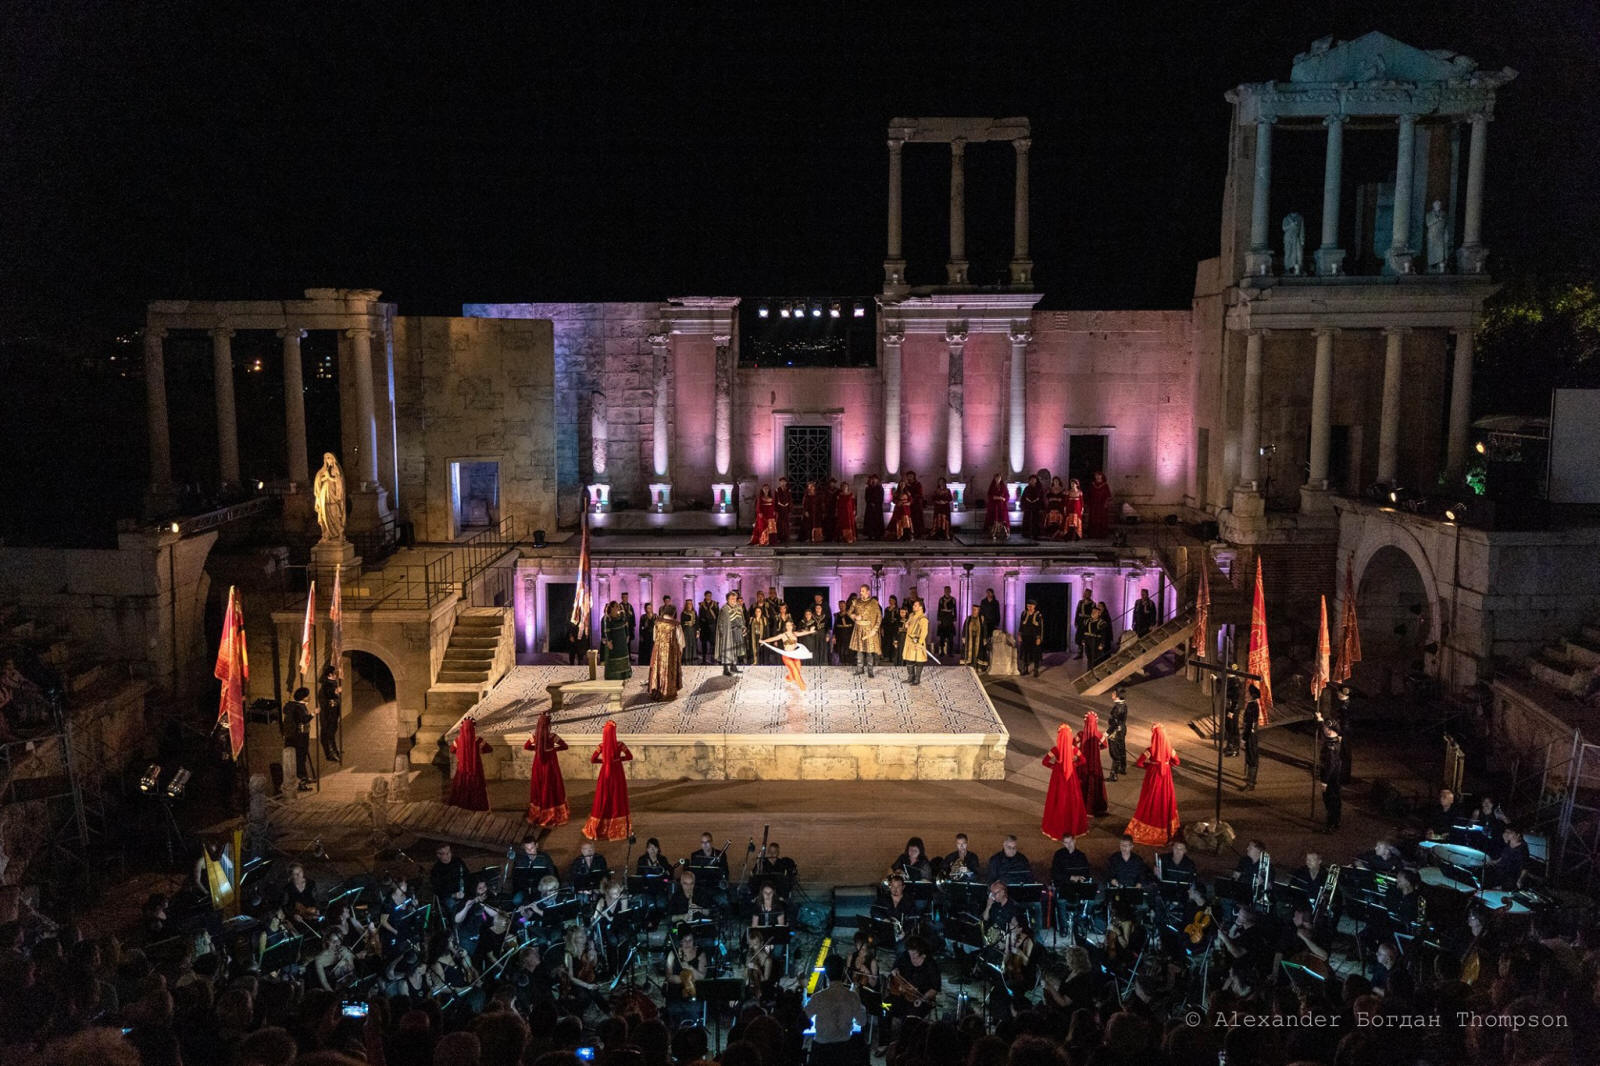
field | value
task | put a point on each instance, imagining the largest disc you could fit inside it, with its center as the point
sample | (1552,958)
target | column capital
(296,333)
(1257,331)
(896,143)
(1022,144)
(1405,119)
(955,334)
(156,333)
(1325,331)
(1335,120)
(223,332)
(1396,331)
(722,340)
(1463,331)
(958,146)
(358,331)
(1481,116)
(659,340)
(1266,120)
(1019,337)
(894,337)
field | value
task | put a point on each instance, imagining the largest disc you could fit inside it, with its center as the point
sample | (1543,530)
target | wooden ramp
(307,814)
(1136,655)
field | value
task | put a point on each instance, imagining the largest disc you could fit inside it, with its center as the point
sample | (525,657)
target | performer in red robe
(828,498)
(766,527)
(609,818)
(1055,511)
(943,500)
(1097,507)
(811,512)
(997,509)
(900,527)
(912,487)
(547,792)
(1090,741)
(1064,813)
(1155,820)
(845,514)
(783,506)
(1073,530)
(872,509)
(468,789)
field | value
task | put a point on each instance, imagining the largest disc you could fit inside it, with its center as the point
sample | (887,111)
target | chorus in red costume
(913,488)
(900,518)
(609,818)
(1155,820)
(845,514)
(1064,813)
(942,499)
(811,508)
(1072,526)
(766,527)
(1090,741)
(547,792)
(997,509)
(1097,507)
(468,789)
(783,507)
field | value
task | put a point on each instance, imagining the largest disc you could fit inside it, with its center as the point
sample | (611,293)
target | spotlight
(833,309)
(783,311)
(816,310)
(175,527)
(763,311)
(260,485)
(152,776)
(1456,512)
(1480,448)
(860,311)
(179,782)
(1394,495)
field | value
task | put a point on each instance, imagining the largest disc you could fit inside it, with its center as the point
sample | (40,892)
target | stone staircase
(1136,655)
(479,654)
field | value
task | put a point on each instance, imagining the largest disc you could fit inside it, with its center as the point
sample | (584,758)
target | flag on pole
(1202,610)
(1319,675)
(1260,656)
(303,665)
(336,625)
(1349,630)
(233,670)
(581,601)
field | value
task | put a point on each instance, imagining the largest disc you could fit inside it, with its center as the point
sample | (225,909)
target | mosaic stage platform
(756,726)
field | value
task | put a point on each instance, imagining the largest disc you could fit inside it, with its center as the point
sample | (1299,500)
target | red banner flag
(303,665)
(1349,630)
(1260,656)
(1199,641)
(1319,675)
(233,670)
(582,602)
(336,626)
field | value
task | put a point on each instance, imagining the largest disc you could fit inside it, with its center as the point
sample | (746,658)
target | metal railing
(375,545)
(480,550)
(398,586)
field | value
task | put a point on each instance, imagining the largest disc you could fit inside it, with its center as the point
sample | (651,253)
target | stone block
(828,768)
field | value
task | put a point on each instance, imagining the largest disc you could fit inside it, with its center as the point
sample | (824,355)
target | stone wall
(478,389)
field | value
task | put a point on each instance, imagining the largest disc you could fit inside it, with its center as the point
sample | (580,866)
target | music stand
(283,953)
(1298,974)
(646,885)
(964,930)
(1235,891)
(881,930)
(559,913)
(968,896)
(1174,891)
(777,938)
(1075,896)
(703,930)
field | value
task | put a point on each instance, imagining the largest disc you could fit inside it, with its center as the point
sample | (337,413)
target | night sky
(528,152)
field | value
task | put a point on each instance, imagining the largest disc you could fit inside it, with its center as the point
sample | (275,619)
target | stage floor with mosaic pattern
(757,726)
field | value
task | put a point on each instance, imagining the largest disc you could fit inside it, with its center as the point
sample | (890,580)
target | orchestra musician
(769,909)
(1308,879)
(778,868)
(1491,821)
(448,878)
(1305,943)
(335,965)
(410,975)
(1020,968)
(1481,956)
(1199,929)
(474,917)
(1389,974)
(836,1012)
(686,904)
(710,865)
(1248,868)
(529,866)
(686,964)
(863,967)
(1078,988)
(395,922)
(913,986)
(760,971)
(1010,865)
(1384,858)
(588,869)
(300,895)
(1247,942)
(453,973)
(657,874)
(1001,908)
(1068,863)
(1124,868)
(547,892)
(898,909)
(960,864)
(913,864)
(1505,872)
(1443,818)
(579,974)
(1175,865)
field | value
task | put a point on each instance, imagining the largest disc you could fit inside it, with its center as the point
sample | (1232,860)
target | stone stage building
(1300,376)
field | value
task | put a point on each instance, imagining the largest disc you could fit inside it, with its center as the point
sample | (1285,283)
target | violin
(1196,929)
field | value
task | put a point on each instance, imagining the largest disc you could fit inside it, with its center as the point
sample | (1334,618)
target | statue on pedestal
(328,492)
(1438,250)
(1294,243)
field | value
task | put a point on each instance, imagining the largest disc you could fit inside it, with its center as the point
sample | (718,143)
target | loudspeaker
(538,538)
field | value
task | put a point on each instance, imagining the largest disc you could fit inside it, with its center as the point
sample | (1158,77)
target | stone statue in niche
(1294,243)
(1438,251)
(328,493)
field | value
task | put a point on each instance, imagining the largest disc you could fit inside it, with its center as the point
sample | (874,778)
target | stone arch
(1382,555)
(410,692)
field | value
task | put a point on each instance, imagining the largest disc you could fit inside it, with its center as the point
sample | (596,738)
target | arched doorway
(1396,619)
(368,725)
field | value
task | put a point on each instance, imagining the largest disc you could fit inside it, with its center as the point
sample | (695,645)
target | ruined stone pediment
(1377,57)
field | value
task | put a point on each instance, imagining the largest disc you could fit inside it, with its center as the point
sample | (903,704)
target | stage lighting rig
(179,782)
(151,778)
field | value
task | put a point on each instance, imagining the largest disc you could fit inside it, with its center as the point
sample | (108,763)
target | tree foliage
(1537,334)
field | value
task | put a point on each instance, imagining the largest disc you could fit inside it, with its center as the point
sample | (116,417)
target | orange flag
(306,630)
(1350,631)
(1319,676)
(1260,656)
(233,670)
(1199,642)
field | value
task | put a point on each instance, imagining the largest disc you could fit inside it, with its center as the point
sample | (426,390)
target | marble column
(688,603)
(294,407)
(892,342)
(647,589)
(1471,257)
(599,435)
(662,360)
(227,420)
(955,340)
(1330,257)
(956,268)
(156,426)
(1401,253)
(1012,608)
(1314,493)
(723,411)
(1460,405)
(1259,259)
(1389,413)
(1021,265)
(1250,428)
(1017,409)
(894,266)
(366,463)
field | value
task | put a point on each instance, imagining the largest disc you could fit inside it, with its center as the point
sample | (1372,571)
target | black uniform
(328,698)
(1144,615)
(1030,634)
(1012,869)
(587,873)
(989,611)
(1127,872)
(946,631)
(705,621)
(526,872)
(1066,865)
(1252,742)
(1080,625)
(297,735)
(1117,736)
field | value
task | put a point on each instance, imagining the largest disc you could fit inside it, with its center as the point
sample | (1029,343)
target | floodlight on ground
(763,311)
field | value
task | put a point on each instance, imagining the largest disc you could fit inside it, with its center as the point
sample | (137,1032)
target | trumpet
(1261,887)
(1325,895)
